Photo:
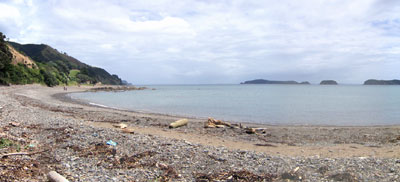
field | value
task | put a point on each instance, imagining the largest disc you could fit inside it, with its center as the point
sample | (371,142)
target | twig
(264,145)
(23,153)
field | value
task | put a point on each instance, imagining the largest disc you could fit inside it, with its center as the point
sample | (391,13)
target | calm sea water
(269,104)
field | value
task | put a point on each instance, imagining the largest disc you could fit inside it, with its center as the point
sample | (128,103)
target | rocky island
(382,82)
(328,82)
(262,81)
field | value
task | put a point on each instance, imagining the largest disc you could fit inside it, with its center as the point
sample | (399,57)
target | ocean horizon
(274,104)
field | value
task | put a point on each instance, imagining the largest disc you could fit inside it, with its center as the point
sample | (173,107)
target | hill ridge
(54,67)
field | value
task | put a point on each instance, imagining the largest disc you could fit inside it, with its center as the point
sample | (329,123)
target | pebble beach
(82,142)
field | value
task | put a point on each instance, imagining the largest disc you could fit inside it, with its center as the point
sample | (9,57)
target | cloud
(197,41)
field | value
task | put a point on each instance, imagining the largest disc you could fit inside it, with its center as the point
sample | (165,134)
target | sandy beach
(69,136)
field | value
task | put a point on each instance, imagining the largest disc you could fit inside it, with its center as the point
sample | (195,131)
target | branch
(23,153)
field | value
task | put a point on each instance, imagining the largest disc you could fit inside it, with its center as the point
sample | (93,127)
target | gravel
(79,152)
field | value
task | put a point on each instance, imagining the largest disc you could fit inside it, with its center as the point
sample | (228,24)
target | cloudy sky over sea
(211,41)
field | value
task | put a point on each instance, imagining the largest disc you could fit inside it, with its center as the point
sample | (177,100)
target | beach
(70,136)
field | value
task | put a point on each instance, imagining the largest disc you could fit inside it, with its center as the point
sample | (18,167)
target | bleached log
(179,123)
(55,177)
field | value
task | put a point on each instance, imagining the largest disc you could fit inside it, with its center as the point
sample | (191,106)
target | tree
(5,54)
(49,79)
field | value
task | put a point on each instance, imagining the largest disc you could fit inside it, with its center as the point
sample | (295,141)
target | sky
(217,41)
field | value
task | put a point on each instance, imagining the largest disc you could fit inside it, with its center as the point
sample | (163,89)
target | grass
(73,73)
(4,143)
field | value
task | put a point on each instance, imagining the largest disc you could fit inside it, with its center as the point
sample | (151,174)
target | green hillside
(54,67)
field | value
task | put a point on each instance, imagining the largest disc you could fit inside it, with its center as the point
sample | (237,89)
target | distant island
(40,63)
(382,82)
(262,81)
(328,82)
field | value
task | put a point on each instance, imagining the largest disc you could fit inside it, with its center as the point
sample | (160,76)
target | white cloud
(168,41)
(7,11)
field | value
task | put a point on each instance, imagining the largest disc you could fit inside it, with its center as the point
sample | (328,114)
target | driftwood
(128,130)
(21,153)
(264,145)
(55,177)
(15,124)
(250,130)
(17,153)
(120,125)
(179,123)
(213,123)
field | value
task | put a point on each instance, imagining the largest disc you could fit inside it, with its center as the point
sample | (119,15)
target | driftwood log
(179,123)
(55,177)
(213,123)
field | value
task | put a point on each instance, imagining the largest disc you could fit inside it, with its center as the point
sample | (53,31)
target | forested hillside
(52,67)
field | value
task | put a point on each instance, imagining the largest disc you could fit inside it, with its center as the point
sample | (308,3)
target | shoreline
(313,153)
(64,97)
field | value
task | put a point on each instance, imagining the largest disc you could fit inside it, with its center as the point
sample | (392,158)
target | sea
(332,105)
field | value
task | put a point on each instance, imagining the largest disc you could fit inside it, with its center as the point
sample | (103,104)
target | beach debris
(250,130)
(323,169)
(264,145)
(128,130)
(292,175)
(120,125)
(112,143)
(346,176)
(116,89)
(213,123)
(242,175)
(99,150)
(22,153)
(179,123)
(255,130)
(14,124)
(55,177)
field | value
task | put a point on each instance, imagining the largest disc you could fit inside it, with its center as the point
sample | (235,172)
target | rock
(328,82)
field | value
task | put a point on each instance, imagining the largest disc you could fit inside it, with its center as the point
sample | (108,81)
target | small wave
(100,105)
